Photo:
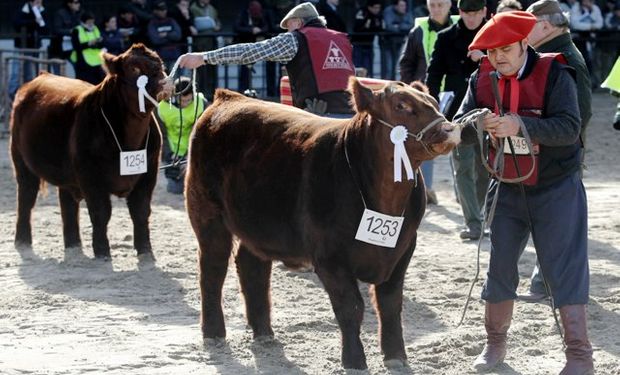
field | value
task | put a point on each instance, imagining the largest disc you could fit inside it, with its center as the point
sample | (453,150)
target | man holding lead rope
(538,92)
(318,60)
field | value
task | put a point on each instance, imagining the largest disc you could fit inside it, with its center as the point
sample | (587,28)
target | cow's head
(135,62)
(412,107)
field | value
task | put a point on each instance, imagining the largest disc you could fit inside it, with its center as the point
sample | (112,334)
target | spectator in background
(65,19)
(613,84)
(508,6)
(178,115)
(253,24)
(608,44)
(87,42)
(586,17)
(368,20)
(329,10)
(397,19)
(164,34)
(206,21)
(142,11)
(417,52)
(452,64)
(113,40)
(129,26)
(204,8)
(182,15)
(29,24)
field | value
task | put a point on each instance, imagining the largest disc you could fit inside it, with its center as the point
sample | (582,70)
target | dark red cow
(278,178)
(59,135)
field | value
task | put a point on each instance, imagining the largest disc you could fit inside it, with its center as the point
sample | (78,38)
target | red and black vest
(321,68)
(531,104)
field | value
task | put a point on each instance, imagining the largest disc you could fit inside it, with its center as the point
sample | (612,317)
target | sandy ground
(65,313)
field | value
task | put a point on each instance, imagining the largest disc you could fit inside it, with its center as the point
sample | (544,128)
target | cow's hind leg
(348,305)
(215,245)
(27,190)
(255,278)
(69,210)
(388,301)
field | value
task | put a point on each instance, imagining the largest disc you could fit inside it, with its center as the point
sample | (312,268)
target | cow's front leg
(139,205)
(99,210)
(348,305)
(388,302)
(254,277)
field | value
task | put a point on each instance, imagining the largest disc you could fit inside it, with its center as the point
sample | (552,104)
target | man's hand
(500,127)
(316,106)
(475,55)
(191,60)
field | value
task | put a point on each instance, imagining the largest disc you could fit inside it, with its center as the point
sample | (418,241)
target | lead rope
(475,117)
(176,160)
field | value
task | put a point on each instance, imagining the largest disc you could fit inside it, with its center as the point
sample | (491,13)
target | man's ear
(361,95)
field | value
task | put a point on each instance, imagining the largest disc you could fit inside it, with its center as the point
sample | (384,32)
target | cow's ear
(111,63)
(361,95)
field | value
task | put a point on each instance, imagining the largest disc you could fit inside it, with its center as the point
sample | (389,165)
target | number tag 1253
(133,162)
(379,229)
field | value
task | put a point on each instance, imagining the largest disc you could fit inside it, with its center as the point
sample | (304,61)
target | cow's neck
(130,125)
(371,155)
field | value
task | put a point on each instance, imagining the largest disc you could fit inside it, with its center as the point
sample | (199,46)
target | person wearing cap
(176,117)
(416,54)
(539,91)
(318,60)
(164,34)
(551,34)
(450,65)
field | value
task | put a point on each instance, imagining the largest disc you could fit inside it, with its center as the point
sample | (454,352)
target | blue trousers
(559,217)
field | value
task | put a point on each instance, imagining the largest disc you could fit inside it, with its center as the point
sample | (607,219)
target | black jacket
(25,24)
(450,59)
(334,21)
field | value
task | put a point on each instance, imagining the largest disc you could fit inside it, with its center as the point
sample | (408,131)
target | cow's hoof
(103,257)
(265,339)
(23,245)
(395,363)
(146,257)
(213,342)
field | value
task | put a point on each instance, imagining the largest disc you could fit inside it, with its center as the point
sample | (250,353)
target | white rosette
(142,93)
(398,136)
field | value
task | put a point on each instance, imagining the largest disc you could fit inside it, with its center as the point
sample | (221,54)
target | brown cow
(59,135)
(277,178)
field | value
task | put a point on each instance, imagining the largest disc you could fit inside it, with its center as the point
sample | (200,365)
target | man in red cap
(539,91)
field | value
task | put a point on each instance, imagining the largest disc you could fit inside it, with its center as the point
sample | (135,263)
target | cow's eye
(403,107)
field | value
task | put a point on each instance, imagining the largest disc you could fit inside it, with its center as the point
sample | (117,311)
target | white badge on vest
(379,229)
(133,162)
(519,144)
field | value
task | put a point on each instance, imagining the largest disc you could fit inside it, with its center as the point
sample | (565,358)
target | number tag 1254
(133,162)
(379,229)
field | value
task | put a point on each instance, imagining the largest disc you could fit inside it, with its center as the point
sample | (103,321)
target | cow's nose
(447,127)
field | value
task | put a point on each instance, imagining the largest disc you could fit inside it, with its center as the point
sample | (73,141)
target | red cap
(503,29)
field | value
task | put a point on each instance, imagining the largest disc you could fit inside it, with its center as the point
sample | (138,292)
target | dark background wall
(228,10)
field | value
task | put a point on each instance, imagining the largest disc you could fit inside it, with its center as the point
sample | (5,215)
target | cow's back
(249,160)
(41,122)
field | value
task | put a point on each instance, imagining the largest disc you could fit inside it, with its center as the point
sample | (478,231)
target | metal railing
(11,59)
